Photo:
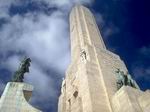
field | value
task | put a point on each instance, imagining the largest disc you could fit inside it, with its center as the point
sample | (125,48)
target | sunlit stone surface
(15,98)
(90,81)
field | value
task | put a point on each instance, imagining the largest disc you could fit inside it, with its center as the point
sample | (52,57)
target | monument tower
(97,80)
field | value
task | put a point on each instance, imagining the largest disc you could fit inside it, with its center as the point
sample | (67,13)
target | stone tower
(90,84)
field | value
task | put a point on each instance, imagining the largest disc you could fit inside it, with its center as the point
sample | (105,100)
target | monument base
(15,98)
(129,99)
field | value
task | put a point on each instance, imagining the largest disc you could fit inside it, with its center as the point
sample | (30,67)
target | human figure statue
(24,67)
(132,82)
(120,78)
(63,87)
(83,55)
(124,79)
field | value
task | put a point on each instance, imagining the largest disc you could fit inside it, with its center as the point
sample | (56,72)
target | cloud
(61,3)
(45,40)
(42,37)
(99,19)
(107,28)
(4,7)
(141,72)
(109,31)
(39,39)
(46,85)
(145,51)
(141,68)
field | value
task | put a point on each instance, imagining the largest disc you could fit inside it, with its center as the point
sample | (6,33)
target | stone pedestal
(128,99)
(15,98)
(144,101)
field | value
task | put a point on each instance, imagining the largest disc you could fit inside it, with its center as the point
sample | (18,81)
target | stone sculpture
(83,55)
(124,79)
(24,67)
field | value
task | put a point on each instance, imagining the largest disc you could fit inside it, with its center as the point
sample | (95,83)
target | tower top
(82,22)
(83,30)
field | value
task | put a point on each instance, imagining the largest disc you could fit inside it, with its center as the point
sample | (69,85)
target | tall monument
(97,80)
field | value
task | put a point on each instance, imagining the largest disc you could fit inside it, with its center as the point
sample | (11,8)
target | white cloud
(62,3)
(145,51)
(12,63)
(141,72)
(140,67)
(46,41)
(45,85)
(107,29)
(67,4)
(99,19)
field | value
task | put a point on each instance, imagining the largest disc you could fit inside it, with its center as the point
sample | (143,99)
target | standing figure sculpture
(120,78)
(132,82)
(124,79)
(83,55)
(24,67)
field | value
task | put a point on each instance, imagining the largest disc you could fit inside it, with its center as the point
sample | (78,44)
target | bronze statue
(120,78)
(125,79)
(24,67)
(132,82)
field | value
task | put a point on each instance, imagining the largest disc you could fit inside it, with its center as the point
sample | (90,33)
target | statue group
(24,67)
(124,80)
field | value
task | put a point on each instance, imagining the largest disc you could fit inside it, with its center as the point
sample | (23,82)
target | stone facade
(15,98)
(90,81)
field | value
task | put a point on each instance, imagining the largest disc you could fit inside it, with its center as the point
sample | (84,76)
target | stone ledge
(129,99)
(15,98)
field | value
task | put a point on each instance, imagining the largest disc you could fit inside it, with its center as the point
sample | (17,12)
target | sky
(39,29)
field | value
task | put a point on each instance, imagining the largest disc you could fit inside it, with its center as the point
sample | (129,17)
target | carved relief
(83,55)
(125,80)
